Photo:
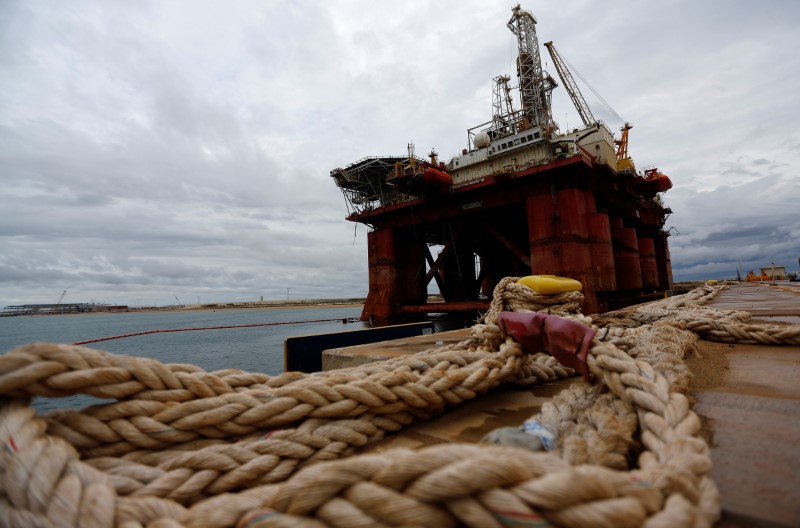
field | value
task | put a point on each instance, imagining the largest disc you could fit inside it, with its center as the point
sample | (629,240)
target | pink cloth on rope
(566,340)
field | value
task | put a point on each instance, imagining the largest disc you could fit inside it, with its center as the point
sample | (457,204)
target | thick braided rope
(420,381)
(677,461)
(585,423)
(381,388)
(269,458)
(604,507)
(669,427)
(752,334)
(590,424)
(689,313)
(674,465)
(437,486)
(449,485)
(43,369)
(511,296)
(480,486)
(59,488)
(189,475)
(690,302)
(454,485)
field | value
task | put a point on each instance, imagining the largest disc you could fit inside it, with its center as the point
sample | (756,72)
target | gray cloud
(149,151)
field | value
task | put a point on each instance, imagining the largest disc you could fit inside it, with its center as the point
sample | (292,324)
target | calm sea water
(257,349)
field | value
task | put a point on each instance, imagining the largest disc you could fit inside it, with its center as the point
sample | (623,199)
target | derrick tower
(535,85)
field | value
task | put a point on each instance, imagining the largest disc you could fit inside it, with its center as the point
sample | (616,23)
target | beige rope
(689,313)
(754,334)
(511,296)
(475,486)
(454,485)
(228,445)
(43,369)
(402,389)
(670,430)
(413,382)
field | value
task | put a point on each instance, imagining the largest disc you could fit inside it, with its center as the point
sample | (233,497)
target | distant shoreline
(678,288)
(257,305)
(214,307)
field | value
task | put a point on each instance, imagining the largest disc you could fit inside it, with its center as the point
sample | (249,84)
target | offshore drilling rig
(522,198)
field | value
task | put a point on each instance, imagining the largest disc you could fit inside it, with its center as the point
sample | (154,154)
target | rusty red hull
(571,217)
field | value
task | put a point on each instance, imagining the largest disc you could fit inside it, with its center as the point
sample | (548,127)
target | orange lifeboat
(420,179)
(652,183)
(658,180)
(427,180)
(437,178)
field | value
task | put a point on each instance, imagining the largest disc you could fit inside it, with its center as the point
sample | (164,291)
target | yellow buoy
(550,284)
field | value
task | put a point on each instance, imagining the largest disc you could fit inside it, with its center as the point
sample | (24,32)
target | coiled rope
(185,447)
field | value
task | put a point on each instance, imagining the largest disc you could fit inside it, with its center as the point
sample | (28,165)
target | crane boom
(535,85)
(624,162)
(622,143)
(570,85)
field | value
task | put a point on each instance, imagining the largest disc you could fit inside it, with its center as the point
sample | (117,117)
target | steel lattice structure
(535,85)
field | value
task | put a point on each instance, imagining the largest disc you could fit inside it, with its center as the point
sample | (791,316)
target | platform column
(627,265)
(559,241)
(600,248)
(459,275)
(647,261)
(663,264)
(396,274)
(602,252)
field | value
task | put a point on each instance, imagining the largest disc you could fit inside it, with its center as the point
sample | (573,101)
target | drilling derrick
(535,85)
(521,198)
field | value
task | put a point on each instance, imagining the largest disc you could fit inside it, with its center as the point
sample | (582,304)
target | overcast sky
(153,150)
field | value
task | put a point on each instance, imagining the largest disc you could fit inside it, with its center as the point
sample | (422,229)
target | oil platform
(522,198)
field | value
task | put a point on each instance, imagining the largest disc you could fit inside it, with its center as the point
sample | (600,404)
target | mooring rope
(185,447)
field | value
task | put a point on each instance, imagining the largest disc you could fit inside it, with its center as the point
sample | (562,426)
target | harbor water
(254,349)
